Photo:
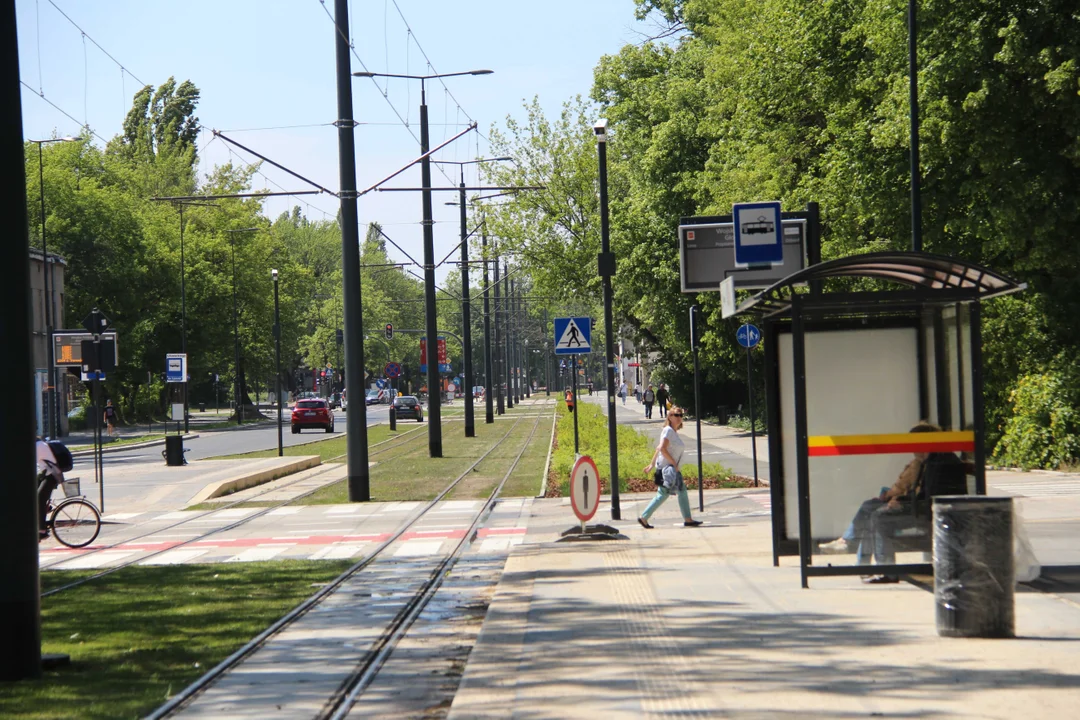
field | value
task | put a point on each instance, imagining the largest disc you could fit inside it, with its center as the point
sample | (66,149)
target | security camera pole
(606,268)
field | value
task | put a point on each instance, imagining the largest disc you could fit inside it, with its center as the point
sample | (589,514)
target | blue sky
(270,64)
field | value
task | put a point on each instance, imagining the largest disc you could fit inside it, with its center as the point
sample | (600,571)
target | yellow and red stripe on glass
(889,443)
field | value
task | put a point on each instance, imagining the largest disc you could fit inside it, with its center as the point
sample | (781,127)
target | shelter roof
(935,278)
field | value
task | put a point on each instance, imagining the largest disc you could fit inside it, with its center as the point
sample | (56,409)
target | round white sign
(585,488)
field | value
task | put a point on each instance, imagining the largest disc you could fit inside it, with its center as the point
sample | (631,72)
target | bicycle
(74,521)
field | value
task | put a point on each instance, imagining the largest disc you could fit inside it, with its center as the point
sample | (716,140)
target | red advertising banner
(442,351)
(423,351)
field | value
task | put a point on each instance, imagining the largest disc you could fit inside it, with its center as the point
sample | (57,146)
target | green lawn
(412,475)
(333,447)
(144,633)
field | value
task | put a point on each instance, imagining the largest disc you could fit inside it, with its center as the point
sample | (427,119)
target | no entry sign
(585,488)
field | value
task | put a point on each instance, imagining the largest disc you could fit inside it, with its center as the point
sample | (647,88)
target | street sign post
(749,336)
(584,489)
(758,234)
(176,367)
(392,370)
(573,336)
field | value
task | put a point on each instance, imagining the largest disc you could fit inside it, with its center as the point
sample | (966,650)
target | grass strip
(412,475)
(635,451)
(144,633)
(333,447)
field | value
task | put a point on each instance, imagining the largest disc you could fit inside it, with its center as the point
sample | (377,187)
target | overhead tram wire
(385,96)
(268,179)
(66,114)
(87,36)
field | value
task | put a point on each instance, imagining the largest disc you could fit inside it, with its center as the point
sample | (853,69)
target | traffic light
(389,331)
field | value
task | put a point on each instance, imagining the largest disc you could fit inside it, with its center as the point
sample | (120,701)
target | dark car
(312,413)
(408,406)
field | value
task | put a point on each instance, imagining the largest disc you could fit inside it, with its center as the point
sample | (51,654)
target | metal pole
(356,414)
(508,358)
(750,396)
(466,315)
(183,310)
(277,364)
(430,317)
(547,359)
(512,346)
(51,420)
(694,342)
(606,267)
(499,360)
(489,415)
(913,99)
(20,603)
(574,390)
(236,342)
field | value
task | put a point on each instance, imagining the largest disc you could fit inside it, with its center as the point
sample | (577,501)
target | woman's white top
(675,447)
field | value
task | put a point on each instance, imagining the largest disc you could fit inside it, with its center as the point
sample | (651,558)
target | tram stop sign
(585,488)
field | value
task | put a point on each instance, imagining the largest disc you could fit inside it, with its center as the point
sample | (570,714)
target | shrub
(77,418)
(1044,429)
(743,423)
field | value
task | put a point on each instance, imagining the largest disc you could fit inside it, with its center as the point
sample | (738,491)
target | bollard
(974,574)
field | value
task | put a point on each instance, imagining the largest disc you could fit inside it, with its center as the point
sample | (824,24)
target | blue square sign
(759,234)
(573,336)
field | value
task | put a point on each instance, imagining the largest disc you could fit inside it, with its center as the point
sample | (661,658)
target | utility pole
(356,413)
(913,101)
(507,346)
(277,361)
(499,360)
(236,343)
(20,600)
(430,318)
(466,314)
(606,268)
(489,415)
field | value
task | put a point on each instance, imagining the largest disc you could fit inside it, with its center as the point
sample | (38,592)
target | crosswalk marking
(121,516)
(97,560)
(499,544)
(174,557)
(179,515)
(260,553)
(1040,489)
(337,551)
(284,511)
(418,548)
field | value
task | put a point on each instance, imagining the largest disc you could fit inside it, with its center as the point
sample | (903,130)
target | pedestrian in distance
(110,417)
(622,393)
(667,476)
(637,393)
(662,399)
(648,397)
(569,400)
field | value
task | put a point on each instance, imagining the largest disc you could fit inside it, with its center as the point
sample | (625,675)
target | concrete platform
(696,622)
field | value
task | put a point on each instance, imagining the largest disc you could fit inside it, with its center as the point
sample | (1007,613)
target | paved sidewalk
(697,623)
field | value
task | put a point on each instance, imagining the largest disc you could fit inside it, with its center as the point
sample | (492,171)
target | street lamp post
(497,370)
(489,414)
(52,424)
(431,321)
(508,358)
(277,361)
(606,268)
(236,332)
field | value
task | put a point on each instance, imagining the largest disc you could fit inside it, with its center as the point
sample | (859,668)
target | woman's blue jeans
(662,494)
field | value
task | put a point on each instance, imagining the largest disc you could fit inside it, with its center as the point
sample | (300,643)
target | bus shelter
(848,376)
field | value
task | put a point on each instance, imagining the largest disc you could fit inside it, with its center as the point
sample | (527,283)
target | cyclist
(49,478)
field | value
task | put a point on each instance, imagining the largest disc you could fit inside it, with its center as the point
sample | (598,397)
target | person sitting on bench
(858,536)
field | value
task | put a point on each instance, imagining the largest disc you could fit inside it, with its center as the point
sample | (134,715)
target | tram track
(412,435)
(370,662)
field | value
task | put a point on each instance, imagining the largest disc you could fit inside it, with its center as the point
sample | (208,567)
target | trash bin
(174,450)
(202,407)
(722,415)
(974,574)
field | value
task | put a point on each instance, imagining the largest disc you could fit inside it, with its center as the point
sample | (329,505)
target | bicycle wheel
(76,522)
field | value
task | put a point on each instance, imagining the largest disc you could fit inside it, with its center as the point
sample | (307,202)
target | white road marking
(1040,489)
(180,515)
(338,551)
(174,557)
(233,513)
(418,548)
(346,510)
(259,553)
(499,544)
(285,511)
(97,560)
(120,516)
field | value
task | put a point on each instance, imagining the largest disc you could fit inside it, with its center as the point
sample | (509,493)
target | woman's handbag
(658,477)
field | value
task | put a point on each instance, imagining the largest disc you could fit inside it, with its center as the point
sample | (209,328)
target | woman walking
(666,460)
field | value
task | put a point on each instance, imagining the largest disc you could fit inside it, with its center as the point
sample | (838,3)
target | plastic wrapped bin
(974,572)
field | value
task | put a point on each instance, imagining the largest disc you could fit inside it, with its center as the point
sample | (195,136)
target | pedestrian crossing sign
(573,336)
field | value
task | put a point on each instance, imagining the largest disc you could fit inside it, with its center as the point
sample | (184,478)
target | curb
(242,482)
(132,446)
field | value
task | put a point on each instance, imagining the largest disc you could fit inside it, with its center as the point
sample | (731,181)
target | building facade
(40,341)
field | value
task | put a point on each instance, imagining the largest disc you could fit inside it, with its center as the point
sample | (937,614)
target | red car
(312,413)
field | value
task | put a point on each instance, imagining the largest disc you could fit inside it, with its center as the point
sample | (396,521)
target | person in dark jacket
(662,399)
